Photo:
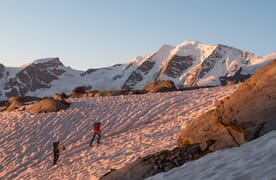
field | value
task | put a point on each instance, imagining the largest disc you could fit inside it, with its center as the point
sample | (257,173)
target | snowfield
(133,126)
(253,160)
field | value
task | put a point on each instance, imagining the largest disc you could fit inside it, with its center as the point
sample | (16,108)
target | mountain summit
(189,64)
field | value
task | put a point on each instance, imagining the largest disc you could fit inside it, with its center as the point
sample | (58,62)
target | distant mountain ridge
(189,64)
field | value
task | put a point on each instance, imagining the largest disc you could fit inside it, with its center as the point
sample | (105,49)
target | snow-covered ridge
(45,60)
(188,64)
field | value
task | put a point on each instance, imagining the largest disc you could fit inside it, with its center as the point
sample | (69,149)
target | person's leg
(56,156)
(55,159)
(99,137)
(91,142)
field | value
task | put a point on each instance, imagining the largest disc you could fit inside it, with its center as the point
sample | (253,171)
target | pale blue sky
(90,34)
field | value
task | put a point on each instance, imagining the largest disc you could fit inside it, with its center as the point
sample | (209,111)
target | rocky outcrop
(36,105)
(160,86)
(81,92)
(155,163)
(48,105)
(18,102)
(3,104)
(237,78)
(78,91)
(60,97)
(248,113)
(12,106)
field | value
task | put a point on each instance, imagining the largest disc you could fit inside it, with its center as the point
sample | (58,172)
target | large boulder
(18,102)
(4,103)
(60,97)
(160,86)
(48,105)
(80,91)
(12,106)
(23,99)
(248,113)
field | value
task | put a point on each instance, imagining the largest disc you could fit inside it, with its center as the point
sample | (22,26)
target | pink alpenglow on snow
(132,127)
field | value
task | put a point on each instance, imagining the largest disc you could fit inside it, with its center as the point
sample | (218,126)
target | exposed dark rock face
(177,65)
(2,68)
(128,66)
(34,77)
(90,71)
(138,75)
(210,62)
(248,113)
(160,86)
(117,65)
(155,163)
(238,77)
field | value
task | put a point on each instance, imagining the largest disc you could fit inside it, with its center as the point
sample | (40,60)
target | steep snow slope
(254,160)
(258,63)
(133,126)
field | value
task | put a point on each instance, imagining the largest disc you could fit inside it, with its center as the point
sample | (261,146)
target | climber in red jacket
(96,131)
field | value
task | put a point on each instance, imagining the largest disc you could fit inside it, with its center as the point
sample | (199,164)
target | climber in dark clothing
(57,147)
(96,131)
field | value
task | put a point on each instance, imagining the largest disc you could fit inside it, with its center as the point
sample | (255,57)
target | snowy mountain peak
(189,42)
(165,47)
(45,60)
(188,64)
(53,61)
(163,52)
(270,56)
